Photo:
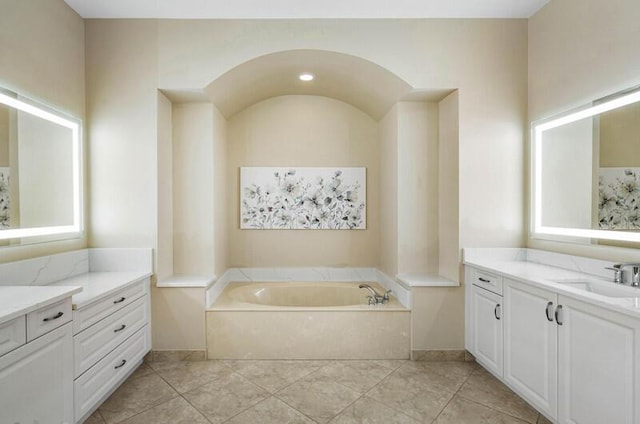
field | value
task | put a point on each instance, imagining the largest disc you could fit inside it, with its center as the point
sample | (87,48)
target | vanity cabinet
(36,379)
(531,344)
(484,333)
(111,337)
(599,364)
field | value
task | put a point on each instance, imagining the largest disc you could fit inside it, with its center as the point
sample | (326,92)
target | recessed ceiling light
(306,76)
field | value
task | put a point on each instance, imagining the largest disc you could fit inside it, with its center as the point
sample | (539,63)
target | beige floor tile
(187,375)
(318,398)
(143,370)
(419,394)
(274,375)
(360,376)
(95,418)
(484,388)
(225,397)
(366,410)
(175,411)
(446,373)
(392,364)
(270,411)
(462,411)
(135,396)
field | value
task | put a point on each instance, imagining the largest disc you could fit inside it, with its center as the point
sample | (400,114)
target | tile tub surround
(325,274)
(243,326)
(315,392)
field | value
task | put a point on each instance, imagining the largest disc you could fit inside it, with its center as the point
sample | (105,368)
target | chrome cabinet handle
(495,311)
(484,280)
(558,317)
(56,316)
(122,327)
(119,300)
(124,361)
(548,310)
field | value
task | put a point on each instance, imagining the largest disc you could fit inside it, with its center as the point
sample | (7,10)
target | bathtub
(305,320)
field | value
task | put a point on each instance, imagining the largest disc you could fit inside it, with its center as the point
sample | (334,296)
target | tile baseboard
(442,356)
(175,355)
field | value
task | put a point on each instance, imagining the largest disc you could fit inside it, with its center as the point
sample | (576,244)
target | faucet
(375,298)
(635,273)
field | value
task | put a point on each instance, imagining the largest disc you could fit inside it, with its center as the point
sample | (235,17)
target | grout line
(194,407)
(454,395)
(500,412)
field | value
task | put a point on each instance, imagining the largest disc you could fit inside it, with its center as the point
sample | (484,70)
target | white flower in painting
(619,202)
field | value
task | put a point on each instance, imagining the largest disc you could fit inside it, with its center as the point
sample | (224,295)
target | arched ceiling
(363,84)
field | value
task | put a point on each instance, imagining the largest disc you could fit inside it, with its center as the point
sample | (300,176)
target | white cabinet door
(599,365)
(487,327)
(36,380)
(530,344)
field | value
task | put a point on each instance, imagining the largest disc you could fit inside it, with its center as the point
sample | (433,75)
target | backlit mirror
(40,170)
(586,171)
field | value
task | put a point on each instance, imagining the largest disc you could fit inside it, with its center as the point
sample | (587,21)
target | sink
(603,289)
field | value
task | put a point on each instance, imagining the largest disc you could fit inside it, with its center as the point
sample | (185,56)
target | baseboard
(442,356)
(176,355)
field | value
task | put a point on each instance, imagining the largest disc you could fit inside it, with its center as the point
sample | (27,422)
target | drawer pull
(558,317)
(495,311)
(484,280)
(122,327)
(119,300)
(56,316)
(124,361)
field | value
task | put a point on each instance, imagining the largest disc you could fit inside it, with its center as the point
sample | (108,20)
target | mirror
(586,171)
(40,170)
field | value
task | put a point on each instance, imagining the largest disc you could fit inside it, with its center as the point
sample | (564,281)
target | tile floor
(301,392)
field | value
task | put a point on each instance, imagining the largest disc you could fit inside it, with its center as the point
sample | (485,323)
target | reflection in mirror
(40,164)
(586,171)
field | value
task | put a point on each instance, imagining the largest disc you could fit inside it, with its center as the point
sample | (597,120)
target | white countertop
(97,285)
(426,280)
(20,300)
(182,280)
(543,276)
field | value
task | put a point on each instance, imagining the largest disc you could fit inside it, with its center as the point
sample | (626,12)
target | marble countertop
(98,285)
(547,277)
(20,300)
(426,280)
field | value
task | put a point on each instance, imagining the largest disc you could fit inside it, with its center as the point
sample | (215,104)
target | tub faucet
(635,272)
(374,297)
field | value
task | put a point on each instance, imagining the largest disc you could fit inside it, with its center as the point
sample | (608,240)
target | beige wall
(486,59)
(417,187)
(220,193)
(178,318)
(164,253)
(388,133)
(581,50)
(448,201)
(620,137)
(193,189)
(122,105)
(303,131)
(437,318)
(42,50)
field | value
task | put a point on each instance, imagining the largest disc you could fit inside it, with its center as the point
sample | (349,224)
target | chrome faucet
(375,298)
(635,273)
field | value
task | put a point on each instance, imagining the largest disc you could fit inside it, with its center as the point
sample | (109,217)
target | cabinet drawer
(487,281)
(86,316)
(50,317)
(92,344)
(100,379)
(13,334)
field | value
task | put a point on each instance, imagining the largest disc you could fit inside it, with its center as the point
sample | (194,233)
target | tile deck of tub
(301,392)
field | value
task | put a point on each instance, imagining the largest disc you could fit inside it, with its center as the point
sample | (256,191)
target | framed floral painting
(303,198)
(619,199)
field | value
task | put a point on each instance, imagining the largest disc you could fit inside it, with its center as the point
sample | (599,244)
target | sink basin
(603,289)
